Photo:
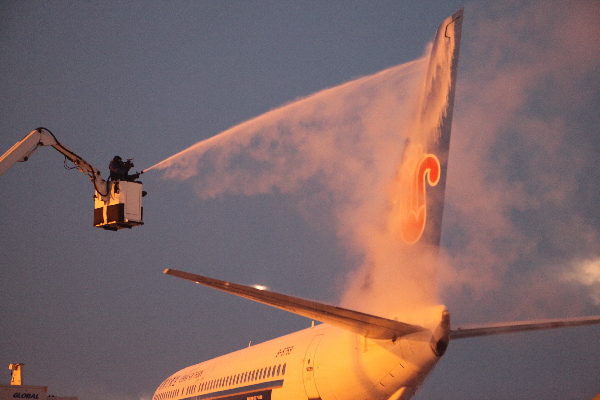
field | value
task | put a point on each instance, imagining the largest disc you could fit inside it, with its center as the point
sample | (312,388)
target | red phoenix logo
(413,205)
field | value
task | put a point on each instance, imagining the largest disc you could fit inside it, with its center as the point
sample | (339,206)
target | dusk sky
(90,313)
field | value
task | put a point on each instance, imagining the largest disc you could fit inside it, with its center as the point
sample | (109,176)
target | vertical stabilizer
(418,194)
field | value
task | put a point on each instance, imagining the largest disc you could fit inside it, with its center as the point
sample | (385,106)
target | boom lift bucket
(118,204)
(121,207)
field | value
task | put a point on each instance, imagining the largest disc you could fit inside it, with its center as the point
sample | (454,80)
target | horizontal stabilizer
(366,325)
(510,327)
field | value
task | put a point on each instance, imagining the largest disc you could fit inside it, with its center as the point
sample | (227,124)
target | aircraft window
(278,369)
(283,370)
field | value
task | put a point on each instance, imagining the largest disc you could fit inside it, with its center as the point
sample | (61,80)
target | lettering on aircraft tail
(418,170)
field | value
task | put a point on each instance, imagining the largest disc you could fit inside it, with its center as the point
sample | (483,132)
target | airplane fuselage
(322,362)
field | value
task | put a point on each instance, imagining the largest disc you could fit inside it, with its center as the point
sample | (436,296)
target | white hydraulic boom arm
(118,203)
(24,148)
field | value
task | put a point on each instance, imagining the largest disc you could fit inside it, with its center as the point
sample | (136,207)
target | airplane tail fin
(418,194)
(363,324)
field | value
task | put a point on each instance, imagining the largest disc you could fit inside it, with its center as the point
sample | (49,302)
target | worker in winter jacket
(119,170)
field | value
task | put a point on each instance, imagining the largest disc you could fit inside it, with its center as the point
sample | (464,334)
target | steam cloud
(517,228)
(337,152)
(521,226)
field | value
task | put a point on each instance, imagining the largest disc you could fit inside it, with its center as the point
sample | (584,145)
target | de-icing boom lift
(118,204)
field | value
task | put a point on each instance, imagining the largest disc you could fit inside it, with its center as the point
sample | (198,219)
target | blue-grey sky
(89,311)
